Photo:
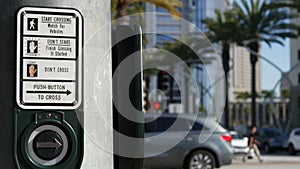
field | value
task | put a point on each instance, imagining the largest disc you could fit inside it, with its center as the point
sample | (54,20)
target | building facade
(240,73)
(167,28)
(294,76)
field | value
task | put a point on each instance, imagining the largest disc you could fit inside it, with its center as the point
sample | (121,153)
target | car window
(197,127)
(164,123)
(151,126)
(236,136)
(212,125)
(297,133)
(273,133)
(260,133)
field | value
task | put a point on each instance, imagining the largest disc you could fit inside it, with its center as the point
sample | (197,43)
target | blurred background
(239,66)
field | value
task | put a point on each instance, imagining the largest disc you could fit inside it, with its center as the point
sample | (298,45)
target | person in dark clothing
(252,143)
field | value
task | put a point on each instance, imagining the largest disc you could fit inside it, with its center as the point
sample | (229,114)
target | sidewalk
(270,159)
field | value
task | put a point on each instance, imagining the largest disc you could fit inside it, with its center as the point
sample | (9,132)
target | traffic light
(163,81)
(127,45)
(146,103)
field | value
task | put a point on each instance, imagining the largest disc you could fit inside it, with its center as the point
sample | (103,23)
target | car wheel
(200,160)
(267,148)
(291,149)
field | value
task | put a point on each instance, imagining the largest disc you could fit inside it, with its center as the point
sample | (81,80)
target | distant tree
(268,94)
(222,29)
(191,48)
(285,93)
(242,96)
(120,8)
(263,21)
(246,110)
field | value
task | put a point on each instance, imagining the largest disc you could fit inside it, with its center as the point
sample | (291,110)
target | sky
(279,55)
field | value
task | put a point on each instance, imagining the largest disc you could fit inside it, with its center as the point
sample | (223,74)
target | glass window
(197,127)
(164,123)
(236,136)
(273,133)
(164,18)
(297,133)
(169,28)
(150,126)
(158,9)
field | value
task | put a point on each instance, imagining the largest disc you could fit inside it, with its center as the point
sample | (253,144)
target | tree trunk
(254,47)
(225,60)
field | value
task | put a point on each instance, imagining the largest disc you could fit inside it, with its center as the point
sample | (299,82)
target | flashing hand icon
(32,47)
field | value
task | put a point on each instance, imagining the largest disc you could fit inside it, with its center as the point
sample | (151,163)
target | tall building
(240,74)
(294,76)
(192,11)
(163,26)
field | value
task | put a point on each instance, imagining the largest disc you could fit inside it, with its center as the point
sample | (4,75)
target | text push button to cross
(48,145)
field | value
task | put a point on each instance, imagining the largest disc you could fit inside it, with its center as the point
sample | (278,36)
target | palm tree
(268,95)
(222,29)
(285,96)
(120,8)
(192,48)
(244,96)
(263,21)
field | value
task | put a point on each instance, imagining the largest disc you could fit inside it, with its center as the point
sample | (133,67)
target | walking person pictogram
(32,24)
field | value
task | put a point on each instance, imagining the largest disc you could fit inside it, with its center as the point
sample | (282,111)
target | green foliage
(121,8)
(266,21)
(223,28)
(242,95)
(268,94)
(285,93)
(191,48)
(202,110)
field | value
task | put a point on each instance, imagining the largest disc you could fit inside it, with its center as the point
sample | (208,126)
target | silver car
(210,150)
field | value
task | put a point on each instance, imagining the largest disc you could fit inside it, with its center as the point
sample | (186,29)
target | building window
(298,101)
(299,78)
(299,54)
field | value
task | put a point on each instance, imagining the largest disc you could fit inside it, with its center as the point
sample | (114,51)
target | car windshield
(273,133)
(236,136)
(162,124)
(212,125)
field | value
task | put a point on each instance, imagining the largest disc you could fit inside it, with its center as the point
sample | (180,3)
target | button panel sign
(49,92)
(49,47)
(49,58)
(49,25)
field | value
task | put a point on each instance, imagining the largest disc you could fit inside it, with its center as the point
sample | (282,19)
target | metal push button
(48,145)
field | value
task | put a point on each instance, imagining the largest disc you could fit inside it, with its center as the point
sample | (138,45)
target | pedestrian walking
(252,143)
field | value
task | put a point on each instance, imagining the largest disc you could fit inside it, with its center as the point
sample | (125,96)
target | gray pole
(96,14)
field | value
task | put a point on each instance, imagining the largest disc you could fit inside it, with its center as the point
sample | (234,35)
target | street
(279,160)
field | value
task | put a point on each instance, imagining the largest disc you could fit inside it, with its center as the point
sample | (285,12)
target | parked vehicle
(189,153)
(271,139)
(294,141)
(239,143)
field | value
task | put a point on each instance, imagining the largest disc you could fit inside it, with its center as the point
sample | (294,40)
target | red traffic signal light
(156,105)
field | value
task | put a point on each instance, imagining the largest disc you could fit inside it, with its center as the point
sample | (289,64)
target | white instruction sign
(49,58)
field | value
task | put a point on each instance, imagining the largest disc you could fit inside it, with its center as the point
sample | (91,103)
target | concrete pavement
(273,161)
